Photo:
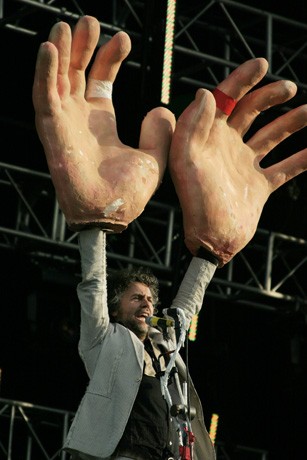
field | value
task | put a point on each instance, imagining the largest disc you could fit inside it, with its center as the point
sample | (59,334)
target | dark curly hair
(119,281)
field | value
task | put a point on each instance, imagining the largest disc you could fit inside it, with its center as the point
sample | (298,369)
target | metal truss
(209,41)
(225,33)
(30,432)
(35,217)
(269,273)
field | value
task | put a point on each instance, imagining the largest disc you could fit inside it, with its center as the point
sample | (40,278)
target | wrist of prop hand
(203,253)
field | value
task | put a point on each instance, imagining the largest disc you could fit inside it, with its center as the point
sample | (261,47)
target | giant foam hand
(218,178)
(98,180)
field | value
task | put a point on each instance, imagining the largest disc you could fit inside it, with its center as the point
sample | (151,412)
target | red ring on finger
(224,102)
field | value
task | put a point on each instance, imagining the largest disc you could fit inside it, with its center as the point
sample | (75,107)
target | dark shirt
(149,433)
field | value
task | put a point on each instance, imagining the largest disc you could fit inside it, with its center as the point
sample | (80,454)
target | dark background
(248,364)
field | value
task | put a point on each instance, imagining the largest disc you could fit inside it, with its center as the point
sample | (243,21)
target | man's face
(135,306)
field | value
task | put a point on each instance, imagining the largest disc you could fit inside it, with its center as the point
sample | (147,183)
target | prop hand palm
(218,178)
(98,180)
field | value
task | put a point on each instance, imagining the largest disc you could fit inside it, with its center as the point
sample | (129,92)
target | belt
(130,458)
(121,457)
(124,457)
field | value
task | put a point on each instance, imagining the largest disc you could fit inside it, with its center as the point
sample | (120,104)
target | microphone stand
(183,410)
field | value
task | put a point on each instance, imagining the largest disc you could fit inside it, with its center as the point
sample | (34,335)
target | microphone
(161,322)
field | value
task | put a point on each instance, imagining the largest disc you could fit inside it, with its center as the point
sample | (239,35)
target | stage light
(168,51)
(193,328)
(213,427)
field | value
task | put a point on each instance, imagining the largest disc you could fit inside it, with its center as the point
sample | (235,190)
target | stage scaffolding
(241,31)
(33,432)
(270,273)
(209,42)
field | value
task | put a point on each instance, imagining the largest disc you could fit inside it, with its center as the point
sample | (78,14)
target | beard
(140,329)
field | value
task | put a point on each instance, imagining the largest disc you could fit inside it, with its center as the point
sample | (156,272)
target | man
(123,412)
(102,185)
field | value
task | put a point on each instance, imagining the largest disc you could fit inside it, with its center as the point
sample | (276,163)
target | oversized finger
(238,83)
(280,173)
(45,94)
(268,137)
(255,102)
(60,36)
(84,41)
(156,135)
(106,66)
(110,56)
(195,122)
